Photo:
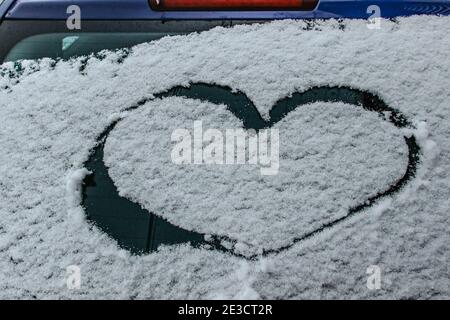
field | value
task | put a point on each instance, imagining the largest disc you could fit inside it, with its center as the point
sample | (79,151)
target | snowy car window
(68,45)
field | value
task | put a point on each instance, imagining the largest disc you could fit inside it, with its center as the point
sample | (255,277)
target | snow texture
(52,113)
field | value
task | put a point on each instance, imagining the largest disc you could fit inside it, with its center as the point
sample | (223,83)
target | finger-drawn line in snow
(106,209)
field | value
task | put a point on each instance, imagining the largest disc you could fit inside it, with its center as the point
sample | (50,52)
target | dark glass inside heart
(140,231)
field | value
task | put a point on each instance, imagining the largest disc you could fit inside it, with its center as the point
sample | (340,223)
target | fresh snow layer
(332,157)
(53,112)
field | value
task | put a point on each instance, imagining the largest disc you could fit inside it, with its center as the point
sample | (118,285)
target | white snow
(52,114)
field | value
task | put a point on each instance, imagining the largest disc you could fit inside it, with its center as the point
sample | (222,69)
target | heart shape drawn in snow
(234,209)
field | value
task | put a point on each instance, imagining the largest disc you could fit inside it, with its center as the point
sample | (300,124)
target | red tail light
(225,5)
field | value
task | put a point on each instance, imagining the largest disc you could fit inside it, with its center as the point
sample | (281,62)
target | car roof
(140,10)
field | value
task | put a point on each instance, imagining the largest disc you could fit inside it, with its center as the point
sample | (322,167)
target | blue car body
(141,10)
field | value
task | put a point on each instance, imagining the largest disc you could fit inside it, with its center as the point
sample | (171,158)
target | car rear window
(68,45)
